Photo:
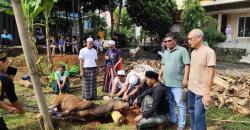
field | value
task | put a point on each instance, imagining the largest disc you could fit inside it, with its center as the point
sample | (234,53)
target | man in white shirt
(88,70)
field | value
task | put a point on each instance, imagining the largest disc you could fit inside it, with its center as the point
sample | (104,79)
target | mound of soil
(130,115)
(68,59)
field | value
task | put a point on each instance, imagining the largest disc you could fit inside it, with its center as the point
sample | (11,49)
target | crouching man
(61,82)
(8,98)
(153,103)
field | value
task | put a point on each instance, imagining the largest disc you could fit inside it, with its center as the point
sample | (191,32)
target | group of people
(65,45)
(71,44)
(142,87)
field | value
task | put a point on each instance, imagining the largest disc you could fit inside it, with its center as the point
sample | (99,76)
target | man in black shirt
(153,102)
(7,91)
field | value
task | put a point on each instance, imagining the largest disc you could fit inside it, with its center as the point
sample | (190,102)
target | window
(244,27)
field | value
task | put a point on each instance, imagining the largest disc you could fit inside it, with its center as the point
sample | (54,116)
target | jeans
(175,98)
(147,123)
(197,112)
(56,89)
(62,49)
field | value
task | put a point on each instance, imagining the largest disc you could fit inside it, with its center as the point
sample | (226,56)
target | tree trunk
(98,22)
(27,49)
(74,18)
(80,24)
(119,17)
(47,40)
(32,37)
(111,11)
(112,22)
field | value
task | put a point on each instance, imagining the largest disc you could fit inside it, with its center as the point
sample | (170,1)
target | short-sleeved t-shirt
(61,42)
(201,59)
(120,84)
(89,56)
(59,76)
(7,36)
(7,89)
(174,62)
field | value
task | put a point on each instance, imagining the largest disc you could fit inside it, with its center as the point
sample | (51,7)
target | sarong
(89,91)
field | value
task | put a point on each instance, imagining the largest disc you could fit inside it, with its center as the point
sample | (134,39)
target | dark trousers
(2,124)
(197,112)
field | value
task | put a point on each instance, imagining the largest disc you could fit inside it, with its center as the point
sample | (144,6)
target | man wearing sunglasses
(202,68)
(175,69)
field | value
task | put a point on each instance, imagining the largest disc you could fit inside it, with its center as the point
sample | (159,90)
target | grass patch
(227,119)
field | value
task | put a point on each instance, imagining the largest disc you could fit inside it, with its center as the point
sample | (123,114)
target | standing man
(6,38)
(202,69)
(88,70)
(175,69)
(7,91)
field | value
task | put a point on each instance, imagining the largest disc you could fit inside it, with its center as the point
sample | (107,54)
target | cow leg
(99,110)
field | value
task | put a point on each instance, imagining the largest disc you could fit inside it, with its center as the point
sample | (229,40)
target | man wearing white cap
(135,81)
(113,59)
(118,83)
(88,70)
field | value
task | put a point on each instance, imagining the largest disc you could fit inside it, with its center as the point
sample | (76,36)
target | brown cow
(75,106)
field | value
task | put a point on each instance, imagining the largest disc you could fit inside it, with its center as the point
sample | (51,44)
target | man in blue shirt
(6,38)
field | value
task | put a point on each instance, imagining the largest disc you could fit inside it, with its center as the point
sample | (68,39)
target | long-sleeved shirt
(160,103)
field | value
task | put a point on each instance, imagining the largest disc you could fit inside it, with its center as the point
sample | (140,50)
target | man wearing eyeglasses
(175,69)
(202,69)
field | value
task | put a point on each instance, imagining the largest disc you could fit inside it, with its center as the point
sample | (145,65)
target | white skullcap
(90,39)
(121,73)
(133,80)
(111,42)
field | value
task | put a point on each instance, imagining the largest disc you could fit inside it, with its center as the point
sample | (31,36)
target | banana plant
(5,6)
(31,9)
(47,6)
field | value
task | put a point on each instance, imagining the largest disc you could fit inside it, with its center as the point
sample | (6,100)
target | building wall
(238,42)
(233,20)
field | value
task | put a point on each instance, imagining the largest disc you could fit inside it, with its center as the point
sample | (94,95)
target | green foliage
(74,70)
(213,36)
(193,16)
(45,68)
(96,21)
(31,9)
(126,21)
(155,16)
(5,6)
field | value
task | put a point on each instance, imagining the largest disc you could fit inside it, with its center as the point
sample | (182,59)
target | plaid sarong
(89,83)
